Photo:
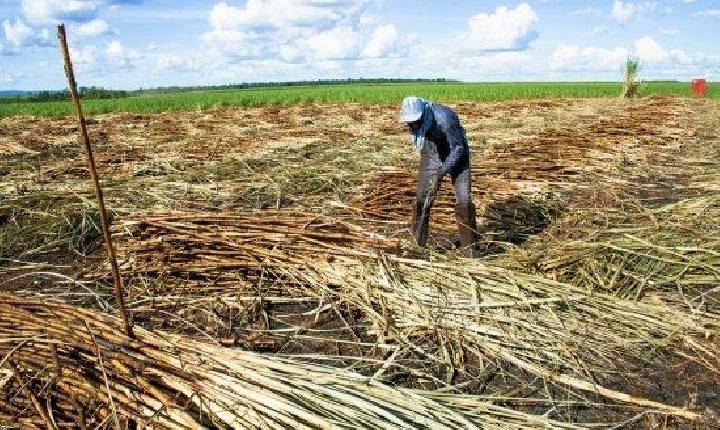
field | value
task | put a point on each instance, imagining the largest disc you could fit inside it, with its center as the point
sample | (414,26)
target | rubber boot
(420,223)
(467,228)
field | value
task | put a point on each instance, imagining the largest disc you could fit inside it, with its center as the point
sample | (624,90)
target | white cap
(411,109)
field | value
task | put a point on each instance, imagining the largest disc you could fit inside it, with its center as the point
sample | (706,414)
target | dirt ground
(536,164)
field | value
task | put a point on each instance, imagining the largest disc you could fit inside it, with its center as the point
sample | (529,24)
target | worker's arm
(450,124)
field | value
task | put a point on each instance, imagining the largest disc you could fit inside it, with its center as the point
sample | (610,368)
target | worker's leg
(465,212)
(424,197)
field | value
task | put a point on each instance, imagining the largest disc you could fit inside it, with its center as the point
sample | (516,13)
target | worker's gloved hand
(441,173)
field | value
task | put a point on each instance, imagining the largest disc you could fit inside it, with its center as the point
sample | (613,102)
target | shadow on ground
(513,221)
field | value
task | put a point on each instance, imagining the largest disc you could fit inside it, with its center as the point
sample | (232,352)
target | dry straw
(74,367)
(596,310)
(439,310)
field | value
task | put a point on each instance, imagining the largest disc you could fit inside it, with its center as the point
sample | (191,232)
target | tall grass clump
(631,85)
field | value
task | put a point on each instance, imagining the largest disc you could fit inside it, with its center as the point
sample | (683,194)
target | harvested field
(268,268)
(553,163)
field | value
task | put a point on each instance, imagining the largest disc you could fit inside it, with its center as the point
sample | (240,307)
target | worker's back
(447,133)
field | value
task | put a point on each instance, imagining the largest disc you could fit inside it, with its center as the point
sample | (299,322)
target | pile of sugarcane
(571,335)
(65,366)
(462,315)
(442,324)
(199,244)
(637,251)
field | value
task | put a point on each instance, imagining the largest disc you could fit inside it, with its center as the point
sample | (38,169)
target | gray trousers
(429,168)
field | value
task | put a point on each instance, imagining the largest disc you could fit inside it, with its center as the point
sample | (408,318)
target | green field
(362,93)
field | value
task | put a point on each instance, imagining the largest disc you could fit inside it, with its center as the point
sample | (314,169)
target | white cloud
(589,58)
(17,34)
(384,43)
(297,31)
(250,40)
(4,77)
(115,49)
(96,27)
(120,57)
(171,62)
(624,11)
(5,51)
(495,65)
(504,30)
(712,13)
(84,57)
(21,35)
(114,57)
(368,20)
(285,29)
(291,53)
(654,58)
(652,53)
(54,11)
(285,14)
(240,44)
(587,11)
(339,43)
(181,63)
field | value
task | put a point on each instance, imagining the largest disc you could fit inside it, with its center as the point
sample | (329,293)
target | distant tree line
(84,92)
(94,92)
(247,85)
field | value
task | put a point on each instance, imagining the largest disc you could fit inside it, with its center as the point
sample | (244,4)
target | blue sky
(128,44)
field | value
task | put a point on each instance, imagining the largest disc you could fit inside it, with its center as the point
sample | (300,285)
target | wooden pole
(72,86)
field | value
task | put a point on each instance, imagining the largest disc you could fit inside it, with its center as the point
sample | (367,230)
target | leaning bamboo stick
(72,86)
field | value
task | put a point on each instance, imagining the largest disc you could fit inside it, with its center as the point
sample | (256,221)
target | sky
(131,44)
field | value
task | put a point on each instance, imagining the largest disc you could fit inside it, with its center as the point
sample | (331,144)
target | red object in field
(698,87)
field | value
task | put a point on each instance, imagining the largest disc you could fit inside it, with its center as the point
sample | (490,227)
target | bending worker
(437,134)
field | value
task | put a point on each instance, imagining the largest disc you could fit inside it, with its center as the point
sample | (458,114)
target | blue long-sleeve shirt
(449,136)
